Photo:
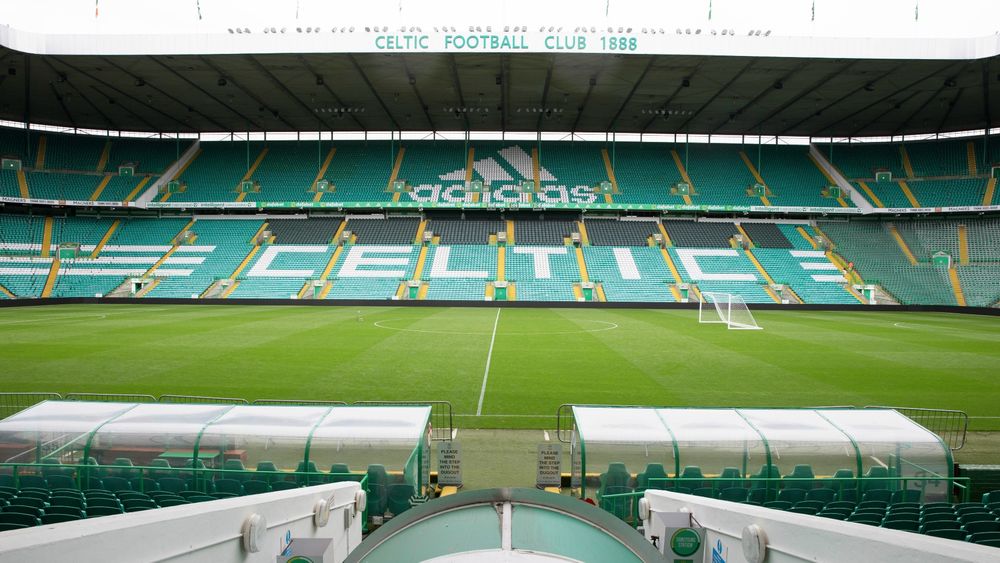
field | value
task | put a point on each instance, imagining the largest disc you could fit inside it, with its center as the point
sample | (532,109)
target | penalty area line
(489,358)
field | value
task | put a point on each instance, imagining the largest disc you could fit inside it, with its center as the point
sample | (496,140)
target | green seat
(168,502)
(926,526)
(815,504)
(23,509)
(982,526)
(707,492)
(33,502)
(693,472)
(32,481)
(270,467)
(729,478)
(399,496)
(616,476)
(5,527)
(905,496)
(653,471)
(284,485)
(778,505)
(200,498)
(378,490)
(803,471)
(172,484)
(804,510)
(793,495)
(157,473)
(95,511)
(18,518)
(256,487)
(991,497)
(947,533)
(882,495)
(66,501)
(876,472)
(983,537)
(130,504)
(143,484)
(125,464)
(733,494)
(115,484)
(235,465)
(341,472)
(60,481)
(228,487)
(52,518)
(303,471)
(766,472)
(619,506)
(906,525)
(824,496)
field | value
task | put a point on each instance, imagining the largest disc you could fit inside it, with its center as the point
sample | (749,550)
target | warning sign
(549,465)
(449,456)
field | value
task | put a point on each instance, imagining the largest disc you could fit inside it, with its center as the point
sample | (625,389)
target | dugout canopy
(293,438)
(876,448)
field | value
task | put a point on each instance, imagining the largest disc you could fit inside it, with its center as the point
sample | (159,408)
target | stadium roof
(500,92)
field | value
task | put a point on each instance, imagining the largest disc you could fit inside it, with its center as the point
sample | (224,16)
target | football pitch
(510,367)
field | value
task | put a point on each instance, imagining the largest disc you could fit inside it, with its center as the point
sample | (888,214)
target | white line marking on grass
(607,326)
(489,357)
(546,434)
(43,319)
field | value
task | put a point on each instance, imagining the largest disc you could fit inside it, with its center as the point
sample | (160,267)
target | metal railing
(11,403)
(110,397)
(951,426)
(198,399)
(297,403)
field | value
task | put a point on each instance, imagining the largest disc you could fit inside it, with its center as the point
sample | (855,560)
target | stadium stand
(722,270)
(476,262)
(285,173)
(646,173)
(766,235)
(552,281)
(543,232)
(700,234)
(573,164)
(458,231)
(878,259)
(948,193)
(215,173)
(384,231)
(800,269)
(718,174)
(629,273)
(939,158)
(861,160)
(360,171)
(431,163)
(72,152)
(151,156)
(303,231)
(604,232)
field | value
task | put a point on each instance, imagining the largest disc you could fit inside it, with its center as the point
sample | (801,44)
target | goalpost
(728,309)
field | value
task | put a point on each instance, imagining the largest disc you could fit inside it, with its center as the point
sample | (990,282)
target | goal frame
(724,311)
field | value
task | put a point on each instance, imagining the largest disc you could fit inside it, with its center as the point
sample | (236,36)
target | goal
(726,308)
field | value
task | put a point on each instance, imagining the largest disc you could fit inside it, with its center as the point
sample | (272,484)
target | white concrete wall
(209,531)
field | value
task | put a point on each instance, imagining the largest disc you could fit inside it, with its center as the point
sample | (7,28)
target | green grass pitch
(540,358)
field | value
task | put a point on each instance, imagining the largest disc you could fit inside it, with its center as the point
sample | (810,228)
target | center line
(486,372)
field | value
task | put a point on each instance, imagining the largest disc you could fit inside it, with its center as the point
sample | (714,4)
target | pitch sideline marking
(607,326)
(489,357)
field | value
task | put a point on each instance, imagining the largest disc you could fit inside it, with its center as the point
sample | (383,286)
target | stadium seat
(620,506)
(126,470)
(114,484)
(881,495)
(653,471)
(794,495)
(877,481)
(200,498)
(870,519)
(778,505)
(143,484)
(60,481)
(812,511)
(168,502)
(255,487)
(814,504)
(766,472)
(693,472)
(399,498)
(34,493)
(947,533)
(378,483)
(29,481)
(824,496)
(707,492)
(131,505)
(131,495)
(341,472)
(21,518)
(284,485)
(733,494)
(906,525)
(616,476)
(228,487)
(7,526)
(102,502)
(269,467)
(967,518)
(51,518)
(235,465)
(172,484)
(66,501)
(841,504)
(991,497)
(976,527)
(157,473)
(983,537)
(800,472)
(100,510)
(730,477)
(908,495)
(303,470)
(873,504)
(31,501)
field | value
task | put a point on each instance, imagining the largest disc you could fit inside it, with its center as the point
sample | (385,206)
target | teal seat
(270,467)
(905,525)
(229,487)
(284,485)
(947,533)
(822,495)
(616,476)
(341,472)
(883,495)
(729,478)
(800,472)
(991,497)
(115,484)
(653,471)
(255,487)
(793,496)
(157,473)
(172,484)
(34,481)
(733,494)
(378,490)
(399,496)
(303,478)
(60,481)
(905,496)
(693,472)
(875,472)
(235,465)
(126,471)
(619,506)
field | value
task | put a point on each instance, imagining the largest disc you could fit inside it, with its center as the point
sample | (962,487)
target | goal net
(726,308)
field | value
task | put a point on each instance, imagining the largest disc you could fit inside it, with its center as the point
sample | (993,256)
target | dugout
(208,447)
(759,455)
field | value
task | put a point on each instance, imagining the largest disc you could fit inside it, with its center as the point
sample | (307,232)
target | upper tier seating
(939,158)
(603,232)
(72,152)
(303,231)
(792,177)
(645,174)
(860,160)
(425,163)
(54,185)
(545,232)
(360,171)
(766,235)
(948,193)
(573,164)
(400,230)
(215,174)
(719,175)
(700,234)
(287,171)
(152,156)
(457,231)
